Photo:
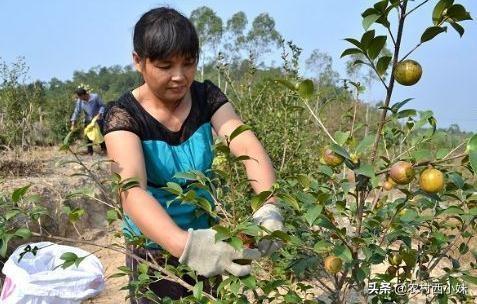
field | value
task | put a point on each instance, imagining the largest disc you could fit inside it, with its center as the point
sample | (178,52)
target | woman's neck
(146,97)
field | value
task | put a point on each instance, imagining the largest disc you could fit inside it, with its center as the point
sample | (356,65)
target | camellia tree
(400,227)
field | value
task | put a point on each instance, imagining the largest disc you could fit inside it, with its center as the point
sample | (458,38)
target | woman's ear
(138,62)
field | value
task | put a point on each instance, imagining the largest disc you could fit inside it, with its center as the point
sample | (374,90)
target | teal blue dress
(167,153)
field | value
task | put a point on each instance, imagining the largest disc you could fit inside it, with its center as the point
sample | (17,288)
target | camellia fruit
(402,173)
(388,184)
(333,264)
(408,72)
(431,180)
(394,259)
(331,158)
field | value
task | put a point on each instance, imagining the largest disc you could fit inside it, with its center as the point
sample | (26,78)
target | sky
(58,37)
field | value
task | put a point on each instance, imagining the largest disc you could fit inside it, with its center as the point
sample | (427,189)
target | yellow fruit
(333,264)
(408,72)
(388,184)
(402,172)
(394,259)
(331,158)
(431,180)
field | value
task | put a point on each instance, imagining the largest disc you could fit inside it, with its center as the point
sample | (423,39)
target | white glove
(270,218)
(208,257)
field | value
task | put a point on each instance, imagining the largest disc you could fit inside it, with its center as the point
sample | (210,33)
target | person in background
(92,105)
(166,126)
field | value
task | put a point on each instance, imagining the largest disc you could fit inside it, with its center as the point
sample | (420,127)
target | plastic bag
(36,280)
(93,132)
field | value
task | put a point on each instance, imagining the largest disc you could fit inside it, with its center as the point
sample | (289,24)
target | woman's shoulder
(121,115)
(214,97)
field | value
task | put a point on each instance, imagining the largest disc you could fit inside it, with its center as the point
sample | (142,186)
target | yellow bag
(93,132)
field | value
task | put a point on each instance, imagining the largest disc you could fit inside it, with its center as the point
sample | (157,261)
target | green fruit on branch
(431,180)
(394,259)
(402,173)
(333,264)
(331,158)
(408,72)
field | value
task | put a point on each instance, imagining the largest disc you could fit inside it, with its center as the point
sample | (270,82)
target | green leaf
(174,188)
(325,170)
(365,144)
(433,122)
(343,252)
(249,281)
(369,20)
(18,193)
(381,6)
(408,216)
(457,180)
(236,243)
(24,233)
(469,279)
(198,288)
(223,233)
(458,13)
(354,42)
(238,131)
(306,89)
(340,150)
(376,46)
(367,38)
(11,214)
(421,155)
(452,210)
(432,32)
(143,268)
(322,247)
(287,84)
(439,9)
(312,214)
(383,64)
(259,199)
(324,222)
(406,113)
(290,200)
(366,170)
(341,137)
(395,107)
(458,28)
(472,150)
(441,153)
(351,51)
(111,215)
(68,256)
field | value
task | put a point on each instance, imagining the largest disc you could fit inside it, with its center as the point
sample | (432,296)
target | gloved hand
(270,218)
(210,258)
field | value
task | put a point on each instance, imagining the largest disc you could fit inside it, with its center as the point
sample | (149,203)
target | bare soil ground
(41,169)
(53,181)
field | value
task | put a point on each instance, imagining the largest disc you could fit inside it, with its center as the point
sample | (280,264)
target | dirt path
(53,181)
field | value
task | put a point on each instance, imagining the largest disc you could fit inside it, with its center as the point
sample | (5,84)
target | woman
(165,126)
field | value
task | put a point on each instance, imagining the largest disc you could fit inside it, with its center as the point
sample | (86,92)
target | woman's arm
(259,169)
(125,149)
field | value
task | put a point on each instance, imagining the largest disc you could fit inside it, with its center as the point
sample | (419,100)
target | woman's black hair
(164,32)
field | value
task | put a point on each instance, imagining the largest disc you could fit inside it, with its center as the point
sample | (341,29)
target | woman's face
(170,79)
